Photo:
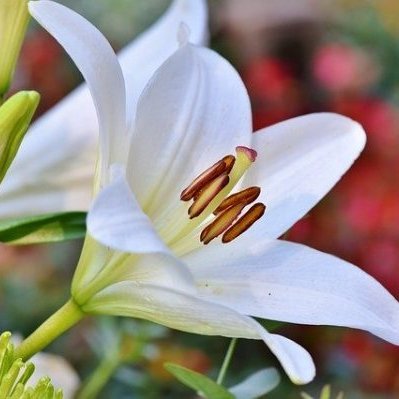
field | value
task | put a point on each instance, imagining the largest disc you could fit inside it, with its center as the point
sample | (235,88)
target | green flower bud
(15,116)
(14,18)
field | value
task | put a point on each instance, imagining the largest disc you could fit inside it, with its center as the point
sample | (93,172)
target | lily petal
(188,313)
(97,62)
(53,170)
(59,370)
(256,385)
(145,55)
(160,269)
(186,121)
(280,280)
(151,268)
(62,179)
(298,162)
(117,221)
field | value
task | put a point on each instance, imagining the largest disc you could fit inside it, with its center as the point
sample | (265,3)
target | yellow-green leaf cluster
(325,394)
(15,374)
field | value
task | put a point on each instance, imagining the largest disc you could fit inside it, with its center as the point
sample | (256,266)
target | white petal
(153,268)
(160,269)
(117,221)
(62,374)
(194,111)
(97,62)
(144,56)
(62,179)
(54,168)
(187,313)
(284,281)
(256,385)
(298,162)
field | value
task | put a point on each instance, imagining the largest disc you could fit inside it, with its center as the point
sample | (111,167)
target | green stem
(107,367)
(99,378)
(62,320)
(226,361)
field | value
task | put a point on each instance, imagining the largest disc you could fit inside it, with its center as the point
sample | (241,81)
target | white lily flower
(53,170)
(144,256)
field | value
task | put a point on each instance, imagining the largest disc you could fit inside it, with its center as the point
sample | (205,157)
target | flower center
(210,194)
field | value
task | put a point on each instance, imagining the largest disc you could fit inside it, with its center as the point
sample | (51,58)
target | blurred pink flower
(339,67)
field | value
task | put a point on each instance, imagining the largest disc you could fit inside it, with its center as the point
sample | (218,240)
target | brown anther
(202,180)
(207,194)
(223,166)
(221,223)
(243,197)
(245,222)
(229,161)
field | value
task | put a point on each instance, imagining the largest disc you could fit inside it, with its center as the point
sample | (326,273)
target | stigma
(210,193)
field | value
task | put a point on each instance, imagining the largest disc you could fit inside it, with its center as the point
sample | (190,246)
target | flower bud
(14,19)
(15,116)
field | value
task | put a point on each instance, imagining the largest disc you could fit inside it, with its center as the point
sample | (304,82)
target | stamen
(223,166)
(209,190)
(221,223)
(243,197)
(244,223)
(229,160)
(207,194)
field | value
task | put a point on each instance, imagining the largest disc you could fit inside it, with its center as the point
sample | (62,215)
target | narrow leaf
(326,392)
(200,383)
(43,228)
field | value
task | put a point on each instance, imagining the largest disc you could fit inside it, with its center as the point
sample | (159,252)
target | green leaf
(326,392)
(43,228)
(200,383)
